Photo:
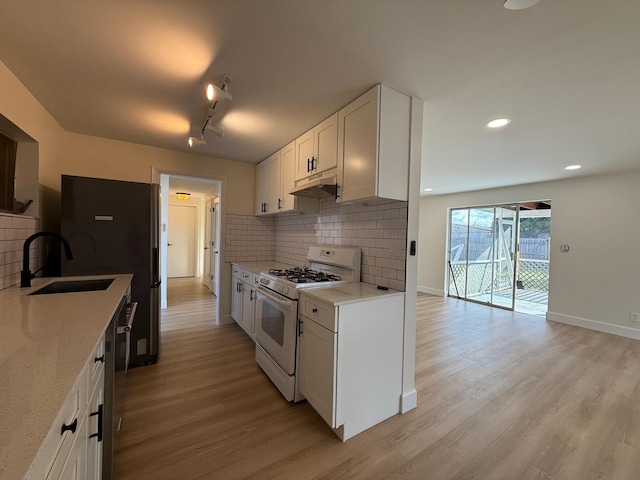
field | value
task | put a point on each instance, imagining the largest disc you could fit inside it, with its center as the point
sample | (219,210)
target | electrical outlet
(635,317)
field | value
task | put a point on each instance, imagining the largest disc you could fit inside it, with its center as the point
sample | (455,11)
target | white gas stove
(277,309)
(329,265)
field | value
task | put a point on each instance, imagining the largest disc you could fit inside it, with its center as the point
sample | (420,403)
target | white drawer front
(236,272)
(320,312)
(96,365)
(247,276)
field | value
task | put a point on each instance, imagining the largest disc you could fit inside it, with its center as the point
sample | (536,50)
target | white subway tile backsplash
(378,230)
(14,230)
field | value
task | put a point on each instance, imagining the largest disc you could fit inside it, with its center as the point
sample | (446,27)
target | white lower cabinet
(317,368)
(69,451)
(350,360)
(236,300)
(95,419)
(243,297)
(248,309)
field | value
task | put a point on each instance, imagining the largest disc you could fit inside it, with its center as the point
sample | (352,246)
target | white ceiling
(566,72)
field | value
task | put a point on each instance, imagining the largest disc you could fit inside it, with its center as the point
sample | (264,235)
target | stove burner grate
(304,275)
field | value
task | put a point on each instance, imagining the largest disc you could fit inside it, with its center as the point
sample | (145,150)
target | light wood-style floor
(501,396)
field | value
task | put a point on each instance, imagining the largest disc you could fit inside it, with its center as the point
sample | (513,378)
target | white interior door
(207,273)
(181,251)
(215,244)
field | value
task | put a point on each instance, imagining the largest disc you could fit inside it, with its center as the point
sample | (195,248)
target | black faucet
(25,274)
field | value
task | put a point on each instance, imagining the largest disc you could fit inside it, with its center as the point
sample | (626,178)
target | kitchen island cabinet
(350,354)
(48,348)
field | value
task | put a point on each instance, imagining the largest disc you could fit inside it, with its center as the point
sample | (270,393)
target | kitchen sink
(69,286)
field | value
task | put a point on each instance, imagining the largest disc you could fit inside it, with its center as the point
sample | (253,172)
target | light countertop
(45,341)
(349,293)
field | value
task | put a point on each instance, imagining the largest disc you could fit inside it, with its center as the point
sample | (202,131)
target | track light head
(196,142)
(217,94)
(217,129)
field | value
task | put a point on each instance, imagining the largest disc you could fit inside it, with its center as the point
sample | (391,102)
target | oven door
(276,327)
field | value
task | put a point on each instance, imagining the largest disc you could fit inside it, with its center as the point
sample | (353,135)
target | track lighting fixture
(196,142)
(214,95)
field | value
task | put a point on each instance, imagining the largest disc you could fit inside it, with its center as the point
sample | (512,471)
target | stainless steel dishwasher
(117,351)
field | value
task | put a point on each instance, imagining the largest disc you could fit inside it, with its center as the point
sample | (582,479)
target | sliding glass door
(482,254)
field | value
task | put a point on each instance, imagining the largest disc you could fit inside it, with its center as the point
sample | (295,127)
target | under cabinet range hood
(321,185)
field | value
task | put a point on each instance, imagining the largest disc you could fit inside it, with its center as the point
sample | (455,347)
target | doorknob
(206,248)
(169,244)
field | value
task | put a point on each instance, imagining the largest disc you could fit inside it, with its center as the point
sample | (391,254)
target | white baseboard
(409,400)
(595,325)
(227,320)
(431,291)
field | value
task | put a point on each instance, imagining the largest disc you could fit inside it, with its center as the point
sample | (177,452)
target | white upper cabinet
(373,147)
(268,185)
(304,155)
(325,145)
(287,165)
(317,150)
(274,179)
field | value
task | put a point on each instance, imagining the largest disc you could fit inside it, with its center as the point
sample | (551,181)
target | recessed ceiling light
(519,4)
(428,189)
(573,167)
(498,122)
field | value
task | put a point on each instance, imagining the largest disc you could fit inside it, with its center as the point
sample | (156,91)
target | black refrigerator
(112,227)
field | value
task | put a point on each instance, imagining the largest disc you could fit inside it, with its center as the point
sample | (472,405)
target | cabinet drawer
(236,272)
(95,366)
(247,276)
(320,312)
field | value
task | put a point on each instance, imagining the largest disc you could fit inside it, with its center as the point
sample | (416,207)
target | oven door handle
(286,304)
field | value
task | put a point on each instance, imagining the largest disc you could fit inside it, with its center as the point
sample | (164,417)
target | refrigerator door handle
(155,260)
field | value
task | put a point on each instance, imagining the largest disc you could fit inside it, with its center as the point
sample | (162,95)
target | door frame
(161,175)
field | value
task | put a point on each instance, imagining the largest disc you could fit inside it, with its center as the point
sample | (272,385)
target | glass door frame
(495,236)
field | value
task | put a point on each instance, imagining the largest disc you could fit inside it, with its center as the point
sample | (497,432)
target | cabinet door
(95,419)
(287,173)
(248,309)
(262,187)
(274,183)
(358,148)
(317,375)
(236,300)
(325,152)
(304,152)
(73,467)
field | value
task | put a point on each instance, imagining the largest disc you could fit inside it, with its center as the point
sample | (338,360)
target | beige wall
(20,107)
(100,157)
(595,284)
